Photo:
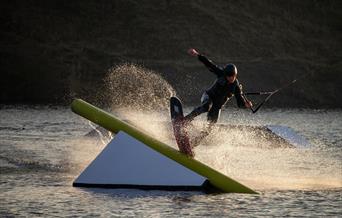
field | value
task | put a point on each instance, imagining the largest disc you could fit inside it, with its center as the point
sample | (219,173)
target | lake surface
(43,149)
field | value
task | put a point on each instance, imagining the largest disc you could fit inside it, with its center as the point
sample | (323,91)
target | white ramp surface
(126,162)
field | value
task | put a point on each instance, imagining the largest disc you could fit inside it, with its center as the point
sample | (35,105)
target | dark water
(42,150)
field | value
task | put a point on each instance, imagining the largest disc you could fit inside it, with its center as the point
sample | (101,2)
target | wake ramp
(127,163)
(134,159)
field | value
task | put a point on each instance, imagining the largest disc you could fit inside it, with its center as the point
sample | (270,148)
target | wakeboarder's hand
(248,104)
(193,52)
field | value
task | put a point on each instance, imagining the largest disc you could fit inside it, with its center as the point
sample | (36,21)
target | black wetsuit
(217,95)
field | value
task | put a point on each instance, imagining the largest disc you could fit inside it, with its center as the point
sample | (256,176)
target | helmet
(230,70)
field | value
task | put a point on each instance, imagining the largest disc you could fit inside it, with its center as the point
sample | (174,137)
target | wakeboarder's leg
(212,116)
(205,106)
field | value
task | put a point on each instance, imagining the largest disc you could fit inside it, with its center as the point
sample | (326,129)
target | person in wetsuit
(225,86)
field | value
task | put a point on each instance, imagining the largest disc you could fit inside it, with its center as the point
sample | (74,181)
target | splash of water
(104,137)
(137,89)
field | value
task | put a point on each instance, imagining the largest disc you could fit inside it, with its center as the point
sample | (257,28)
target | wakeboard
(179,127)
